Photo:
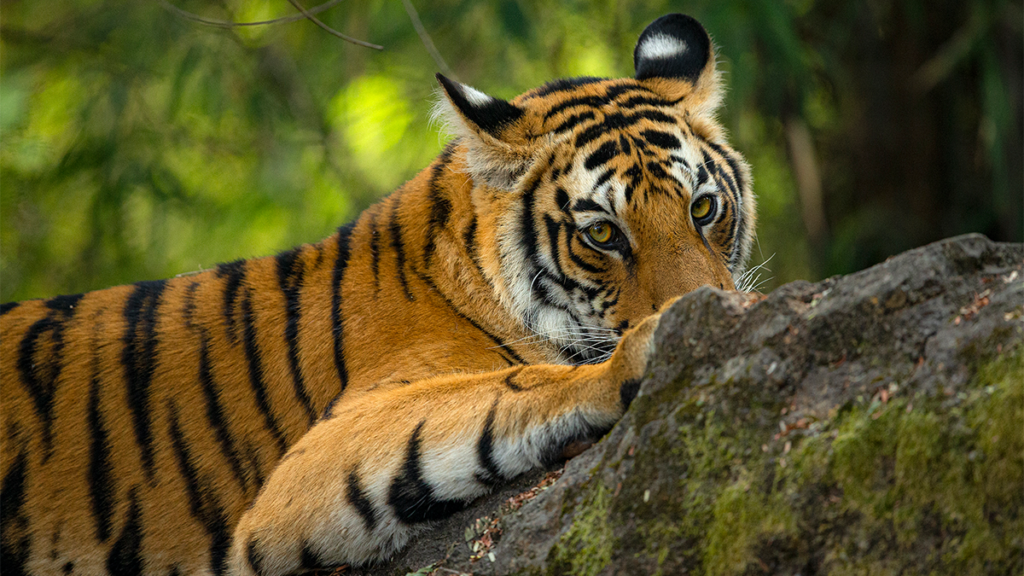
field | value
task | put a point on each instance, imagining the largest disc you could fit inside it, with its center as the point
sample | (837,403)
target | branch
(427,42)
(226,24)
(304,14)
(330,30)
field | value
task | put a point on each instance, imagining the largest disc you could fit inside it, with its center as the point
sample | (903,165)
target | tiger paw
(629,361)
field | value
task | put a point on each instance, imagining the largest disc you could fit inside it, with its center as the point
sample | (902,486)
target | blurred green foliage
(138,144)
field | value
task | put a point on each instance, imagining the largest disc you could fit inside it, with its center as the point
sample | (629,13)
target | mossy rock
(869,424)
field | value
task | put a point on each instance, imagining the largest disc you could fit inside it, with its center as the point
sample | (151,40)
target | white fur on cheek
(662,46)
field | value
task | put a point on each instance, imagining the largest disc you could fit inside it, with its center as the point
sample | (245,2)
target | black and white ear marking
(673,46)
(490,114)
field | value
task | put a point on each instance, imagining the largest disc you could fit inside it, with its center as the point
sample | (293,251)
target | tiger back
(322,405)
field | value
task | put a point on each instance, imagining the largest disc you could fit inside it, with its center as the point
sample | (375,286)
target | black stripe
(253,556)
(732,186)
(14,546)
(101,479)
(7,307)
(215,413)
(588,205)
(628,391)
(259,387)
(309,560)
(527,232)
(337,276)
(235,274)
(573,121)
(724,176)
(591,101)
(375,251)
(357,498)
(644,100)
(582,263)
(440,205)
(125,556)
(469,240)
(188,309)
(139,360)
(40,375)
(619,121)
(510,383)
(201,501)
(183,458)
(329,410)
(319,248)
(555,452)
(590,134)
(738,232)
(554,235)
(703,175)
(290,278)
(562,199)
(211,394)
(635,175)
(606,176)
(411,497)
(661,139)
(602,155)
(617,90)
(396,243)
(457,312)
(485,451)
(731,161)
(251,455)
(654,169)
(563,85)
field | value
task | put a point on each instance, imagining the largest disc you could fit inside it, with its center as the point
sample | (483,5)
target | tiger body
(319,406)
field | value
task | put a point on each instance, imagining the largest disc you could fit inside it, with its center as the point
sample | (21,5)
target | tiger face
(609,197)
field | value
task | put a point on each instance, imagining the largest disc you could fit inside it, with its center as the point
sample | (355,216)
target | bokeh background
(137,143)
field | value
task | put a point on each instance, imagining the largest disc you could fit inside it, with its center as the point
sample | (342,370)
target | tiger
(493,315)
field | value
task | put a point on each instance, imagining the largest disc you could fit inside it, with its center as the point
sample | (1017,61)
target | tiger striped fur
(318,407)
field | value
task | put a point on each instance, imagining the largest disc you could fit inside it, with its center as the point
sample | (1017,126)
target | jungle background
(137,142)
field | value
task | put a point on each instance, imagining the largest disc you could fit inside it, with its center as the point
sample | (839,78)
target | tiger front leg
(365,478)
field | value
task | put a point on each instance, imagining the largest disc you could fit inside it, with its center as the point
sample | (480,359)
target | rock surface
(866,424)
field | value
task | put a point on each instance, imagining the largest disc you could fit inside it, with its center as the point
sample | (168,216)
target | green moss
(587,547)
(711,454)
(742,519)
(935,487)
(916,485)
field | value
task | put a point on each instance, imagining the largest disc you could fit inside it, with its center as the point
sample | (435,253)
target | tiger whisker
(751,279)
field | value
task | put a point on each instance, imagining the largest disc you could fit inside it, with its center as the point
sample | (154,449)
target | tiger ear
(489,127)
(674,56)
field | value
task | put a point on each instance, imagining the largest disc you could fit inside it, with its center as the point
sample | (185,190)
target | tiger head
(608,197)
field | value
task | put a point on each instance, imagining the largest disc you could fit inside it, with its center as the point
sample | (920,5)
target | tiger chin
(321,406)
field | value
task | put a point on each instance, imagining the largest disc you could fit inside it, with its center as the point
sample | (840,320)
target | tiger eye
(701,208)
(600,232)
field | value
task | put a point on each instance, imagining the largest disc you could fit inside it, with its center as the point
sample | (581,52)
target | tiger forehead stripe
(637,95)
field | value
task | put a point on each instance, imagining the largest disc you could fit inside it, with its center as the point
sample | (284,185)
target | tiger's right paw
(629,361)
